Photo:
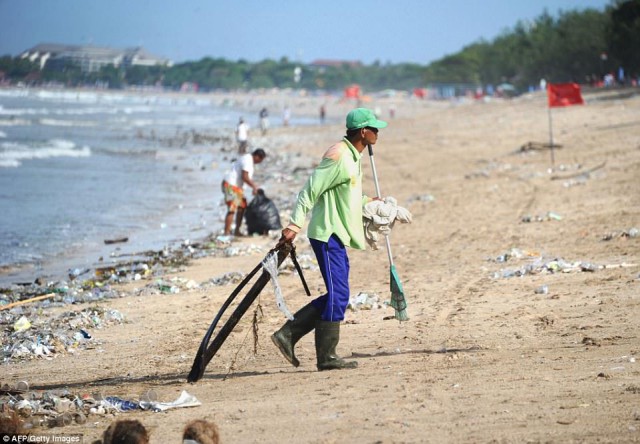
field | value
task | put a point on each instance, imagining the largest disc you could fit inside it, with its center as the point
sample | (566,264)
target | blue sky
(416,31)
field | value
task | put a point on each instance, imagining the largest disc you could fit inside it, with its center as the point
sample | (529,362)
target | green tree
(623,34)
(17,67)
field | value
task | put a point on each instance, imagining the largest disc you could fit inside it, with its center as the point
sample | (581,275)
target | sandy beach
(523,285)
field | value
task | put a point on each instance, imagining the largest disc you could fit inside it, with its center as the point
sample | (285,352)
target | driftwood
(116,241)
(531,146)
(207,350)
(579,173)
(27,301)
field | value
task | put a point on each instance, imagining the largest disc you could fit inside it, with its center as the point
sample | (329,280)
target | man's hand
(287,237)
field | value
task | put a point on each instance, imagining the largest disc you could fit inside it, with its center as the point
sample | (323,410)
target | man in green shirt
(334,196)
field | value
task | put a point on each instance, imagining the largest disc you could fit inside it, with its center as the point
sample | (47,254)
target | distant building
(91,58)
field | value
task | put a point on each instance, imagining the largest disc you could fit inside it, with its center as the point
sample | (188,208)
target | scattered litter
(541,218)
(121,405)
(630,233)
(61,407)
(490,167)
(542,265)
(531,146)
(225,239)
(575,182)
(21,324)
(242,250)
(364,301)
(306,261)
(124,269)
(584,174)
(77,272)
(421,198)
(232,277)
(543,289)
(515,253)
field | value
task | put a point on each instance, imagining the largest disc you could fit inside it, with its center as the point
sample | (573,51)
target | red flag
(564,94)
(352,91)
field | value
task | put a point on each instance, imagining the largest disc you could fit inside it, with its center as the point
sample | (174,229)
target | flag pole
(551,138)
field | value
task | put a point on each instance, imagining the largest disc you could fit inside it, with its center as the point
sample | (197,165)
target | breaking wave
(75,123)
(12,154)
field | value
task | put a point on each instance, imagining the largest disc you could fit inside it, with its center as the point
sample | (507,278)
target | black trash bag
(262,215)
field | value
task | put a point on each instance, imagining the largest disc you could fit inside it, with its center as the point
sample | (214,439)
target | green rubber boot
(327,338)
(286,338)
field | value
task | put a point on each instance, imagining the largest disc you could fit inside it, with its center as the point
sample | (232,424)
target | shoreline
(22,281)
(196,144)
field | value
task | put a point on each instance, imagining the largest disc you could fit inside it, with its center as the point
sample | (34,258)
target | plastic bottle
(121,404)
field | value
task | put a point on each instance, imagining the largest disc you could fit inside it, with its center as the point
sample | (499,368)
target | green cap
(361,117)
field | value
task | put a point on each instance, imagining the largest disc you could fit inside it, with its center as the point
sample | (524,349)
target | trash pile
(56,294)
(30,334)
(144,266)
(59,408)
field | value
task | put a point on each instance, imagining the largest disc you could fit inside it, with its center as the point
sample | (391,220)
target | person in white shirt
(241,173)
(242,136)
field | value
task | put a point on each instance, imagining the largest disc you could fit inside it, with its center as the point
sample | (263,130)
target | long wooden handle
(377,185)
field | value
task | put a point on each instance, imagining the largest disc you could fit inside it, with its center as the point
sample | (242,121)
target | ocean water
(78,168)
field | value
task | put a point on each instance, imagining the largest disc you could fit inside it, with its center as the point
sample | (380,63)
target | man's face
(369,135)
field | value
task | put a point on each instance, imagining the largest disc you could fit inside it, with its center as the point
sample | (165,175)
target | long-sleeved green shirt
(333,193)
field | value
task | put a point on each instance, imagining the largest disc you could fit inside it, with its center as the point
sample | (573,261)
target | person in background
(242,136)
(323,114)
(240,173)
(286,116)
(334,196)
(264,120)
(11,424)
(126,431)
(200,431)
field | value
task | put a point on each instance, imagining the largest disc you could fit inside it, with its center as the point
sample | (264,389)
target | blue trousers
(334,266)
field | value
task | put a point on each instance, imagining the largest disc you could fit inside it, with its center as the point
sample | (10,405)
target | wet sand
(484,357)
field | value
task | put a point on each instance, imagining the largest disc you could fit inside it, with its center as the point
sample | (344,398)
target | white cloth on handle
(379,216)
